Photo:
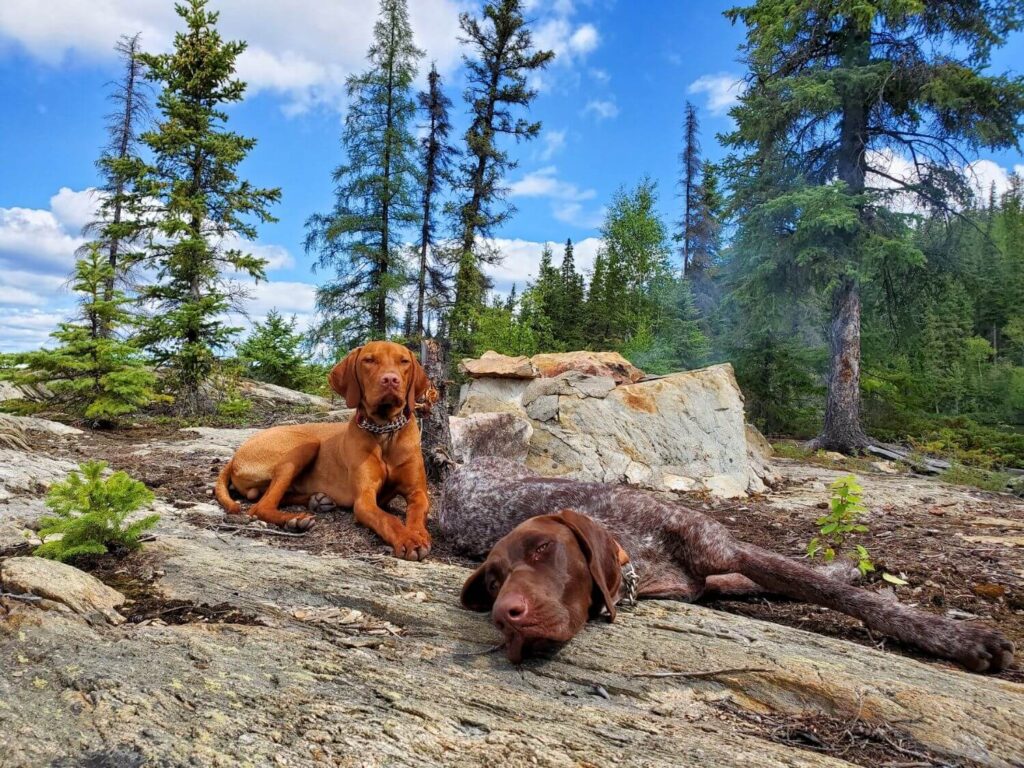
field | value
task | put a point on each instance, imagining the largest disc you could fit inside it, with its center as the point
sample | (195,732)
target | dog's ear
(604,558)
(420,387)
(344,379)
(475,595)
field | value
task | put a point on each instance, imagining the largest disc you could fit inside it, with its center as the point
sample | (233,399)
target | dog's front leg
(404,543)
(417,506)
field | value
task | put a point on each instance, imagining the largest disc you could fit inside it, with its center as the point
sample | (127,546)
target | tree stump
(436,436)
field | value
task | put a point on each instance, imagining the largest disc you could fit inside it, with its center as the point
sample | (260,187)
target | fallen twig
(259,531)
(698,675)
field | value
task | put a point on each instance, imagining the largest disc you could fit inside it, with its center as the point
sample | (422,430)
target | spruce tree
(360,239)
(273,352)
(569,311)
(120,223)
(501,60)
(436,157)
(835,89)
(201,199)
(91,372)
(699,226)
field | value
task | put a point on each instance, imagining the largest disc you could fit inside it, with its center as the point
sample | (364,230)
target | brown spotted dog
(362,464)
(546,574)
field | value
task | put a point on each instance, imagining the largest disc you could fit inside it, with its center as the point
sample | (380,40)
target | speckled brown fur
(680,553)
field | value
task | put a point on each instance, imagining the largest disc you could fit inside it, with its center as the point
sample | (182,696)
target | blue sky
(611,105)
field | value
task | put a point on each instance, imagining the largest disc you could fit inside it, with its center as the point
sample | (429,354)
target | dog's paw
(411,544)
(982,649)
(299,523)
(320,503)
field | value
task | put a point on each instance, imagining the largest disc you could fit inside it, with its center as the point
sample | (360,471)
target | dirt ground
(920,530)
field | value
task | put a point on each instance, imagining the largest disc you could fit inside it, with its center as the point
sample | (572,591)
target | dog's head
(382,378)
(544,579)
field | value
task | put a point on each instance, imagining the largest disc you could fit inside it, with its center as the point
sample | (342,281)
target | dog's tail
(222,493)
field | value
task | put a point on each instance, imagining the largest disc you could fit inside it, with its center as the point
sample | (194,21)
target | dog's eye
(406,362)
(541,549)
(369,360)
(492,586)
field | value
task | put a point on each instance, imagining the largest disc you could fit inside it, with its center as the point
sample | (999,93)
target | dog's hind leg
(290,466)
(737,585)
(979,648)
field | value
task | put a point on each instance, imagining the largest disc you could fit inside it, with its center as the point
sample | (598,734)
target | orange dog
(363,464)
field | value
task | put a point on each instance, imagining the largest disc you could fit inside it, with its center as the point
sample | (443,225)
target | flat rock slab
(370,661)
(60,583)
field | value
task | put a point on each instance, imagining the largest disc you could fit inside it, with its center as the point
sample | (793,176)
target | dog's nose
(510,610)
(390,380)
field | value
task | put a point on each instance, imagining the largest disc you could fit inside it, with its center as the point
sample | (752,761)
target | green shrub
(90,513)
(845,508)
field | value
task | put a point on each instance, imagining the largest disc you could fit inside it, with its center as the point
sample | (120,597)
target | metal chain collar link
(630,578)
(382,429)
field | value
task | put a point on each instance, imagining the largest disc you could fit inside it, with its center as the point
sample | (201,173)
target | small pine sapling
(90,513)
(845,509)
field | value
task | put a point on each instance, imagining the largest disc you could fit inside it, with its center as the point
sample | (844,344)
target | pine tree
(537,304)
(91,372)
(569,311)
(408,322)
(834,89)
(361,238)
(436,157)
(501,60)
(689,183)
(120,222)
(698,227)
(194,178)
(273,352)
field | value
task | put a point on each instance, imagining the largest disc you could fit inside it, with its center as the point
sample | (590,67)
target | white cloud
(301,49)
(576,215)
(600,75)
(25,329)
(545,183)
(723,91)
(602,109)
(522,257)
(36,238)
(984,174)
(567,198)
(37,254)
(552,142)
(981,175)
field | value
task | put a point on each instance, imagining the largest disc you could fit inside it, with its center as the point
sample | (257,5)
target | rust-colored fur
(352,466)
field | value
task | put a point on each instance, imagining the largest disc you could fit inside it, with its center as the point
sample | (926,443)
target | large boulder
(680,432)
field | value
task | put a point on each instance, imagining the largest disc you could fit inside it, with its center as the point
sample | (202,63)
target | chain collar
(630,578)
(382,429)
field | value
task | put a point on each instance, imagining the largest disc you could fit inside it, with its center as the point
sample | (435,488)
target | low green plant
(986,480)
(845,509)
(90,513)
(233,407)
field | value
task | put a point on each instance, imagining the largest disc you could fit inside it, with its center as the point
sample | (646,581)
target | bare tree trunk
(436,436)
(842,431)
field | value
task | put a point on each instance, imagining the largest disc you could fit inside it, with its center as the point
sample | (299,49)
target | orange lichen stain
(639,401)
